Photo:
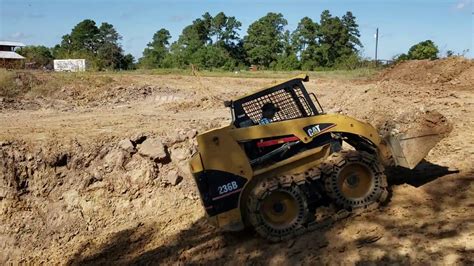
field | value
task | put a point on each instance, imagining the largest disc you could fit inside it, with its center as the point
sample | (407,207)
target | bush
(423,50)
(290,62)
(350,62)
(40,56)
(420,51)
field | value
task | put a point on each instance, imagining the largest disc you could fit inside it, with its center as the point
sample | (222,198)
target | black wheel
(354,179)
(277,209)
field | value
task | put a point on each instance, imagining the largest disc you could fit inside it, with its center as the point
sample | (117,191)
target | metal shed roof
(9,43)
(10,55)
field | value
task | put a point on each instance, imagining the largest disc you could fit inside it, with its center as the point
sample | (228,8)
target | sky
(401,23)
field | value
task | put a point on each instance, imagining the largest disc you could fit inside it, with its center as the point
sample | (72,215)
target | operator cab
(285,101)
(290,99)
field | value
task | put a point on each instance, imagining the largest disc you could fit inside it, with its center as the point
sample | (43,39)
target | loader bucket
(412,145)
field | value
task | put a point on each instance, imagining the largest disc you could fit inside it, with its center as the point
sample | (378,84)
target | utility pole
(376,44)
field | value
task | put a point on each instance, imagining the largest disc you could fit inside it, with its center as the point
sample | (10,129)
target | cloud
(462,4)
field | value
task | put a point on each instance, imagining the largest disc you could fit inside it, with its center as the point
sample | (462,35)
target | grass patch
(8,87)
(15,83)
(52,82)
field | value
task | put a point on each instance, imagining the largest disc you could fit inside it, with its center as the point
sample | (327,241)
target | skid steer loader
(289,174)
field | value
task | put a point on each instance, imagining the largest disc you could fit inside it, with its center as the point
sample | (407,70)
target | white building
(70,65)
(8,57)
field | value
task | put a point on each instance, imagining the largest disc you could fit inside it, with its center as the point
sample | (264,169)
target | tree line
(214,42)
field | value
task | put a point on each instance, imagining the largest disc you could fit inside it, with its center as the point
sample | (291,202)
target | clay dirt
(93,169)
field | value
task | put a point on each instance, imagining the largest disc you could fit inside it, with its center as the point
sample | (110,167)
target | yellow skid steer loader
(281,162)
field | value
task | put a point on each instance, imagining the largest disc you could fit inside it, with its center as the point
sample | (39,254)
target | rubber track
(294,183)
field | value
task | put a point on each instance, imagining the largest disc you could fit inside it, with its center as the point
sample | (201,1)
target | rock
(71,199)
(138,138)
(127,146)
(4,143)
(2,99)
(191,133)
(180,154)
(173,178)
(153,149)
(114,158)
(176,137)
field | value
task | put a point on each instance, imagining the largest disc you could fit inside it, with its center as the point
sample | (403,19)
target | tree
(197,34)
(127,62)
(156,50)
(40,55)
(338,39)
(210,57)
(352,28)
(265,40)
(288,59)
(109,52)
(82,42)
(224,30)
(423,50)
(306,43)
(84,36)
(100,46)
(213,42)
(192,38)
(333,39)
(209,42)
(224,33)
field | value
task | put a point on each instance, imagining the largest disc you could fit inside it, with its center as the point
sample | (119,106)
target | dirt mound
(452,71)
(417,123)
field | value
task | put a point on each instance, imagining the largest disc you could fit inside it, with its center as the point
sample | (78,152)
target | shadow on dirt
(423,173)
(199,244)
